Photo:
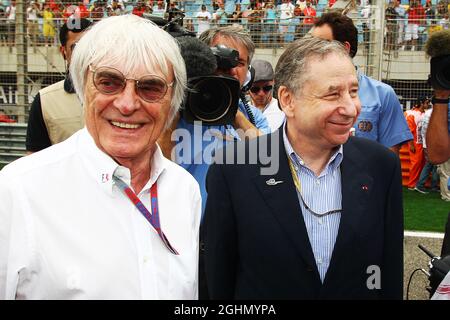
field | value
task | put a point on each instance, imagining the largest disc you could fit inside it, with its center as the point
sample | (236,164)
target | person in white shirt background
(69,227)
(261,94)
(203,19)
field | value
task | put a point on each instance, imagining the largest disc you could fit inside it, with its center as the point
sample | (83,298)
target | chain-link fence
(391,50)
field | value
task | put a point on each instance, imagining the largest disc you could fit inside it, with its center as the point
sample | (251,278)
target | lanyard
(152,218)
(299,189)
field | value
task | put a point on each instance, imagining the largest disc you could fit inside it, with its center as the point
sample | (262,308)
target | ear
(347,46)
(285,99)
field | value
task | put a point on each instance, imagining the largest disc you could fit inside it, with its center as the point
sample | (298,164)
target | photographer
(192,145)
(438,134)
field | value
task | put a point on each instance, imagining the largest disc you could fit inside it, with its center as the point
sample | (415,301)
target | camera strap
(250,115)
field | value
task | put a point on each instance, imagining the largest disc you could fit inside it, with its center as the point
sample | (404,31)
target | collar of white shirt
(101,166)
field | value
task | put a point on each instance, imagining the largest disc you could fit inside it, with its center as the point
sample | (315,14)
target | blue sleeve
(393,129)
(260,120)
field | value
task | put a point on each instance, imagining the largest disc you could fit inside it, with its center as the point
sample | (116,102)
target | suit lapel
(357,186)
(283,202)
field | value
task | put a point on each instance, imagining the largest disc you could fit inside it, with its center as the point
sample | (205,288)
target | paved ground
(415,258)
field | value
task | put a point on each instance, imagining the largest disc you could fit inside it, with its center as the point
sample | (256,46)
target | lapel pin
(273,182)
(365,188)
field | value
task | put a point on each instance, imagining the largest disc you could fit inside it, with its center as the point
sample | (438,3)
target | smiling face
(327,106)
(123,125)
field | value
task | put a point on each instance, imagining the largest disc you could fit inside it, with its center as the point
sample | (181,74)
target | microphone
(438,44)
(198,57)
(438,48)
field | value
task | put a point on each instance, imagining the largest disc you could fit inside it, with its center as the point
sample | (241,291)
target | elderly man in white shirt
(103,215)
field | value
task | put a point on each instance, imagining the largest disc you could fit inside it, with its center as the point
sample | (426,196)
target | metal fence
(30,58)
(12,141)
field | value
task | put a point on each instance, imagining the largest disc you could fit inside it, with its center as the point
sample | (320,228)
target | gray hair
(292,67)
(237,33)
(132,42)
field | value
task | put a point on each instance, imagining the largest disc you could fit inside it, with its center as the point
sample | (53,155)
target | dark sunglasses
(257,89)
(150,88)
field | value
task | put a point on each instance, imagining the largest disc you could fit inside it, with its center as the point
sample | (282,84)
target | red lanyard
(153,217)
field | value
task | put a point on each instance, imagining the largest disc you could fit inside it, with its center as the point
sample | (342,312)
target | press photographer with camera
(237,38)
(215,110)
(438,133)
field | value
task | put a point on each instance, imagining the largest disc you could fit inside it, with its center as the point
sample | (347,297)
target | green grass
(424,212)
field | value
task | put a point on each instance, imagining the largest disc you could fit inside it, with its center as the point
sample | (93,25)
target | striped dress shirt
(322,194)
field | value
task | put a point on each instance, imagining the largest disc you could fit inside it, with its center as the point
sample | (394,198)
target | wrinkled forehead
(137,69)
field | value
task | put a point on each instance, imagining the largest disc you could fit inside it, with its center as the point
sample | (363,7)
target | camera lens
(210,99)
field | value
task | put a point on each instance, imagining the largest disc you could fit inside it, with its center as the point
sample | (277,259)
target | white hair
(131,42)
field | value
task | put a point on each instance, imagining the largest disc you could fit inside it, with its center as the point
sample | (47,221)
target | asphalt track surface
(415,258)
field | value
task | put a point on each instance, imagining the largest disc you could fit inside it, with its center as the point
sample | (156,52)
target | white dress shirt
(67,232)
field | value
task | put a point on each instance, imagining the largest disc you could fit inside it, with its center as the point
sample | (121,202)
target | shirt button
(320,220)
(319,261)
(317,182)
(145,259)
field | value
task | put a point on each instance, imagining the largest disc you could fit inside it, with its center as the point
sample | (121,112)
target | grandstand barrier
(12,141)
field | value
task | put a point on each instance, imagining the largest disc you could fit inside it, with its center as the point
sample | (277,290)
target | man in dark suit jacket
(329,223)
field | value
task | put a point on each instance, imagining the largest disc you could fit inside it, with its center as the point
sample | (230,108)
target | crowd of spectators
(409,25)
(269,22)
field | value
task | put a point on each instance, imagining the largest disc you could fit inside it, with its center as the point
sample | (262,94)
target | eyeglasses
(150,88)
(257,89)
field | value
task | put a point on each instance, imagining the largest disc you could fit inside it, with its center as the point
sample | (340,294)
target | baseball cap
(263,70)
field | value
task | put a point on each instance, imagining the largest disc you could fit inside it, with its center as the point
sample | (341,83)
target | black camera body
(438,269)
(227,58)
(211,99)
(214,99)
(440,72)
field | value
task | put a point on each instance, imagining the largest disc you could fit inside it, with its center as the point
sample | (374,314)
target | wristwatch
(435,100)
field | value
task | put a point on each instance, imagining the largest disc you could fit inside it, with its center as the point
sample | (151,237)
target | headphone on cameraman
(249,79)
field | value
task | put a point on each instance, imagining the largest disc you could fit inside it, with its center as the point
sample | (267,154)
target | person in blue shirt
(193,145)
(381,117)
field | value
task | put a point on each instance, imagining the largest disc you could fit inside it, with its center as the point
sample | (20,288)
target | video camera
(210,98)
(440,72)
(438,48)
(438,269)
(214,99)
